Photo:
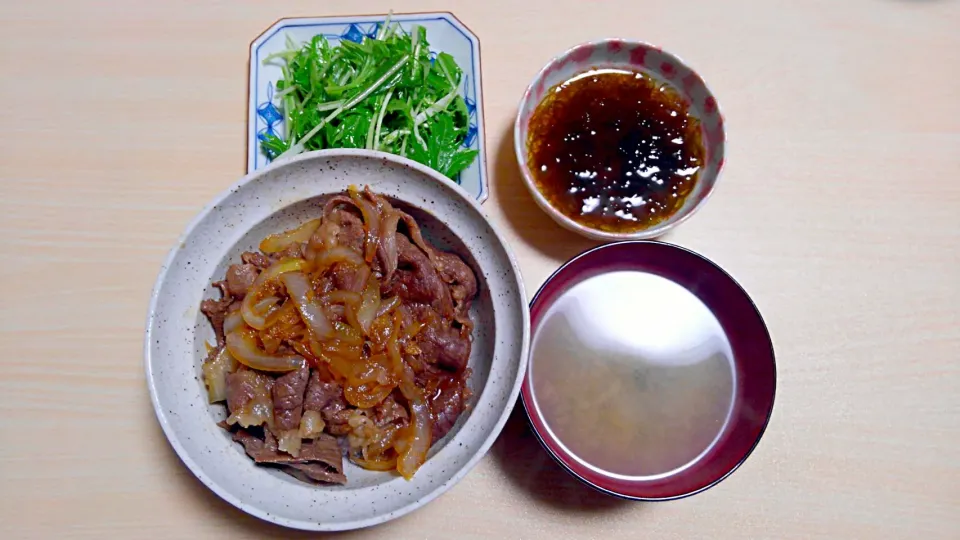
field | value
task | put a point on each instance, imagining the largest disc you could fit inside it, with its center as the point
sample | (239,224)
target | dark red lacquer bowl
(753,366)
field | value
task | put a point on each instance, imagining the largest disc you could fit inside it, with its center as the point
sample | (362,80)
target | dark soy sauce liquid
(614,150)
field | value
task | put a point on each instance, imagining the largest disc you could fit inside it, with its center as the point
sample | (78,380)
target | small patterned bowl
(444,32)
(628,55)
(276,198)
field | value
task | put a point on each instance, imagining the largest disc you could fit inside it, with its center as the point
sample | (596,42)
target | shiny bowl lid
(651,372)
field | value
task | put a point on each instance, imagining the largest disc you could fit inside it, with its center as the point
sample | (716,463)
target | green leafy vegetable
(382,94)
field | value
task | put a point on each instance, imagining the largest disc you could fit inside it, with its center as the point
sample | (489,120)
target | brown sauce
(614,150)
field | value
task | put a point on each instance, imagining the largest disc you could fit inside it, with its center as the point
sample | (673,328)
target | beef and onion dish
(347,335)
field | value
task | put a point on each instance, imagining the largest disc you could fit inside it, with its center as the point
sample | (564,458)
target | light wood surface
(839,211)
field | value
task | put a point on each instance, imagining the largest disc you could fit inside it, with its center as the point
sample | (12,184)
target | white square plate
(444,32)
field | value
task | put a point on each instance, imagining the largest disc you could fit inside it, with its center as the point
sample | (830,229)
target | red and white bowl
(637,56)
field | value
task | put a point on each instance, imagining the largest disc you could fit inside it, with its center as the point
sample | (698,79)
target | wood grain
(839,211)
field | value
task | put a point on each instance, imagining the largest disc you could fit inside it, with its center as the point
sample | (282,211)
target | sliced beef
(389,411)
(327,398)
(315,473)
(446,406)
(261,451)
(351,233)
(216,312)
(255,258)
(416,280)
(460,278)
(288,392)
(350,278)
(244,385)
(428,374)
(319,460)
(240,278)
(446,346)
(293,251)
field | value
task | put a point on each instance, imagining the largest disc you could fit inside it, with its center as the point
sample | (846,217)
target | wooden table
(839,211)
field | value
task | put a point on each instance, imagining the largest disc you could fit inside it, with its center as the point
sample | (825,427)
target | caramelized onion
(289,442)
(376,464)
(324,238)
(233,321)
(335,201)
(242,344)
(388,243)
(415,439)
(417,236)
(371,222)
(286,315)
(337,254)
(393,348)
(369,305)
(386,306)
(366,395)
(347,333)
(215,375)
(298,287)
(311,424)
(305,351)
(266,304)
(358,371)
(254,296)
(275,243)
(383,441)
(348,298)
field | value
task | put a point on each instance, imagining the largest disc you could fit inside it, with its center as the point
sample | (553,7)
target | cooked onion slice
(371,221)
(242,344)
(415,438)
(335,255)
(233,321)
(381,442)
(215,375)
(369,305)
(347,334)
(351,302)
(376,464)
(275,243)
(289,442)
(386,306)
(417,237)
(324,238)
(253,316)
(298,287)
(388,243)
(311,424)
(366,395)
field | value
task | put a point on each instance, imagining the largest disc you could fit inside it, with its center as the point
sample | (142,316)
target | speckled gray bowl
(277,198)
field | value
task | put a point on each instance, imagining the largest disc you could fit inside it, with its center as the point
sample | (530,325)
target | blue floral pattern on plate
(444,32)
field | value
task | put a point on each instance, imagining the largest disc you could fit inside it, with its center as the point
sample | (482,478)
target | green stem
(298,147)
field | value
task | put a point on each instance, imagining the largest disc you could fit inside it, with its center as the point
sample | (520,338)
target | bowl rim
(197,470)
(519,146)
(552,452)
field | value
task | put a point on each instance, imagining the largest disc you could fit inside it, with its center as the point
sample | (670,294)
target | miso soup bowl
(645,319)
(632,56)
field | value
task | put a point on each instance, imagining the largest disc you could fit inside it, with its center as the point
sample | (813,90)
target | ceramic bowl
(276,198)
(635,56)
(444,32)
(682,360)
